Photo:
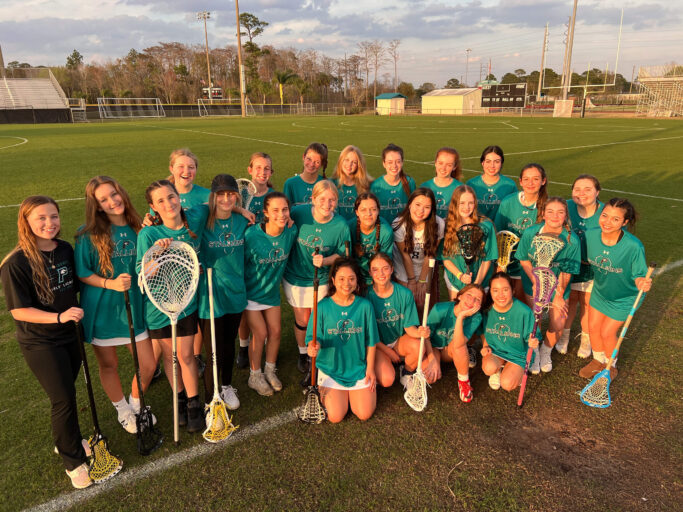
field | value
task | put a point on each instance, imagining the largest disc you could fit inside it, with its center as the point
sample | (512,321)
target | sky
(435,34)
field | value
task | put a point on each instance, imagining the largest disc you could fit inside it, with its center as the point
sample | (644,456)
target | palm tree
(283,78)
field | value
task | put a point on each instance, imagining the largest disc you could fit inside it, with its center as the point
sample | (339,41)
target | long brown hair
(431,231)
(157,218)
(402,175)
(28,245)
(341,263)
(361,178)
(98,225)
(451,245)
(567,223)
(320,149)
(543,191)
(456,173)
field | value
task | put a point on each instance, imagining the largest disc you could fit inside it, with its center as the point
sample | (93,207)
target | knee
(365,413)
(335,416)
(488,366)
(387,378)
(275,334)
(507,383)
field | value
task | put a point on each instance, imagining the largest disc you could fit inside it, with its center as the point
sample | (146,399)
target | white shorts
(326,381)
(257,306)
(116,342)
(586,286)
(302,296)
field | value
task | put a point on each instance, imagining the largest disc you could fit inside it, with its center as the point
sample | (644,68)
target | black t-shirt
(20,292)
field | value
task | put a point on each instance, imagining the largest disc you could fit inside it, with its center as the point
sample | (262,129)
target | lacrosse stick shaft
(425,314)
(86,375)
(174,349)
(315,318)
(209,276)
(529,352)
(134,348)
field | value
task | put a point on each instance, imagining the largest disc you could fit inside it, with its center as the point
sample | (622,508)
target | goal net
(125,108)
(212,108)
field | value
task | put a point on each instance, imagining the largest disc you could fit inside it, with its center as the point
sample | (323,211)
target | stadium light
(467,63)
(205,15)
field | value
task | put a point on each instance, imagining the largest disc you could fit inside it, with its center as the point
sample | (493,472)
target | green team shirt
(579,226)
(256,206)
(196,219)
(265,260)
(490,254)
(347,199)
(105,310)
(392,200)
(489,197)
(344,333)
(568,260)
(615,269)
(513,216)
(222,250)
(330,237)
(298,191)
(508,333)
(368,242)
(394,313)
(196,196)
(441,323)
(442,195)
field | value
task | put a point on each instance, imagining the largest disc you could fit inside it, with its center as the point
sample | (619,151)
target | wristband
(422,281)
(411,279)
(58,319)
(104,285)
(459,276)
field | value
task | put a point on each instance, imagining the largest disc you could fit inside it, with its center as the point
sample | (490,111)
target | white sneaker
(494,381)
(272,379)
(404,376)
(127,421)
(546,360)
(563,342)
(229,396)
(258,382)
(585,348)
(535,365)
(135,405)
(80,477)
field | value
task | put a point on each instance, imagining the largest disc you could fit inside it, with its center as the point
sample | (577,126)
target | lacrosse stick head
(545,283)
(471,239)
(312,410)
(247,191)
(546,247)
(170,276)
(149,436)
(416,392)
(219,425)
(596,393)
(507,241)
(103,465)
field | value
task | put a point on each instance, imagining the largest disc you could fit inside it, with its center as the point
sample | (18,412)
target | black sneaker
(304,363)
(243,357)
(182,409)
(195,416)
(201,365)
(157,373)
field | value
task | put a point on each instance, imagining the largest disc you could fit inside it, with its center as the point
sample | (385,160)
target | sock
(303,350)
(254,372)
(134,403)
(564,337)
(600,356)
(464,377)
(270,367)
(545,349)
(244,343)
(121,407)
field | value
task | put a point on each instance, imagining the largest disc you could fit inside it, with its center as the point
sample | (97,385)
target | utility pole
(568,53)
(540,75)
(633,74)
(239,60)
(205,15)
(481,68)
(467,63)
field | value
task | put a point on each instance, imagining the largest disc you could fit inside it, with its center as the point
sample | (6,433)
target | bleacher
(32,95)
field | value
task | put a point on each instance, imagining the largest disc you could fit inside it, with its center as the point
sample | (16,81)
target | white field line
(129,477)
(668,266)
(58,200)
(22,139)
(506,123)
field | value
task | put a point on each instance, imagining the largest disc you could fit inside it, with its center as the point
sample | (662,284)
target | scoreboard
(503,95)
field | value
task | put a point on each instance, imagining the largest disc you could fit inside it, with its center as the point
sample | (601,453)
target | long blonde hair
(98,225)
(361,178)
(454,221)
(28,245)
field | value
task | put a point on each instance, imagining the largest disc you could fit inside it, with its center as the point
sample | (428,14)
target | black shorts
(186,326)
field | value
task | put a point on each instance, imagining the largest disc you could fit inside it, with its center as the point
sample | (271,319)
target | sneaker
(86,448)
(546,360)
(195,415)
(201,365)
(243,357)
(127,421)
(404,376)
(257,382)
(494,381)
(535,365)
(80,478)
(585,348)
(563,342)
(135,405)
(229,396)
(465,390)
(472,354)
(304,363)
(591,369)
(182,409)
(273,380)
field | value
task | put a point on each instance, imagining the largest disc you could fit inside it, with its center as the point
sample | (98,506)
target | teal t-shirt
(513,216)
(298,191)
(508,333)
(265,260)
(222,250)
(368,243)
(347,199)
(196,219)
(568,260)
(615,269)
(394,313)
(441,323)
(490,254)
(344,333)
(392,200)
(330,237)
(442,195)
(256,206)
(489,197)
(579,226)
(105,310)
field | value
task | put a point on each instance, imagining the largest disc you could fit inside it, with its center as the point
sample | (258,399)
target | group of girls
(365,244)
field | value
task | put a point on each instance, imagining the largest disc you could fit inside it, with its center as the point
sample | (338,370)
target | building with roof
(453,102)
(390,103)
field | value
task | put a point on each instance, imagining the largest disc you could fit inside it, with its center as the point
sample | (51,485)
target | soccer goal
(126,108)
(213,108)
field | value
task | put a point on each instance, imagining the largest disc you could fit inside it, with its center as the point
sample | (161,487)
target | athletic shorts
(186,326)
(257,306)
(116,342)
(326,381)
(302,296)
(585,286)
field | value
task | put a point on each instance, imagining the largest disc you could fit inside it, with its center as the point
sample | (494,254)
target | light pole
(467,63)
(243,104)
(205,15)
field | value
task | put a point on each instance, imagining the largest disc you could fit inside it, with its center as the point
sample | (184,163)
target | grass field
(554,454)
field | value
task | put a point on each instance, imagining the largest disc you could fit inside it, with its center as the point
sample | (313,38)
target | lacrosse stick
(596,393)
(170,276)
(103,465)
(247,191)
(416,391)
(218,424)
(313,410)
(507,241)
(471,238)
(149,437)
(545,283)
(546,247)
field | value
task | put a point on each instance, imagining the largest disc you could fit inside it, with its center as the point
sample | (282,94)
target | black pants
(56,368)
(226,328)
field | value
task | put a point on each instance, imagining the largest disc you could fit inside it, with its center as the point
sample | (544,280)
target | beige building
(453,102)
(390,103)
